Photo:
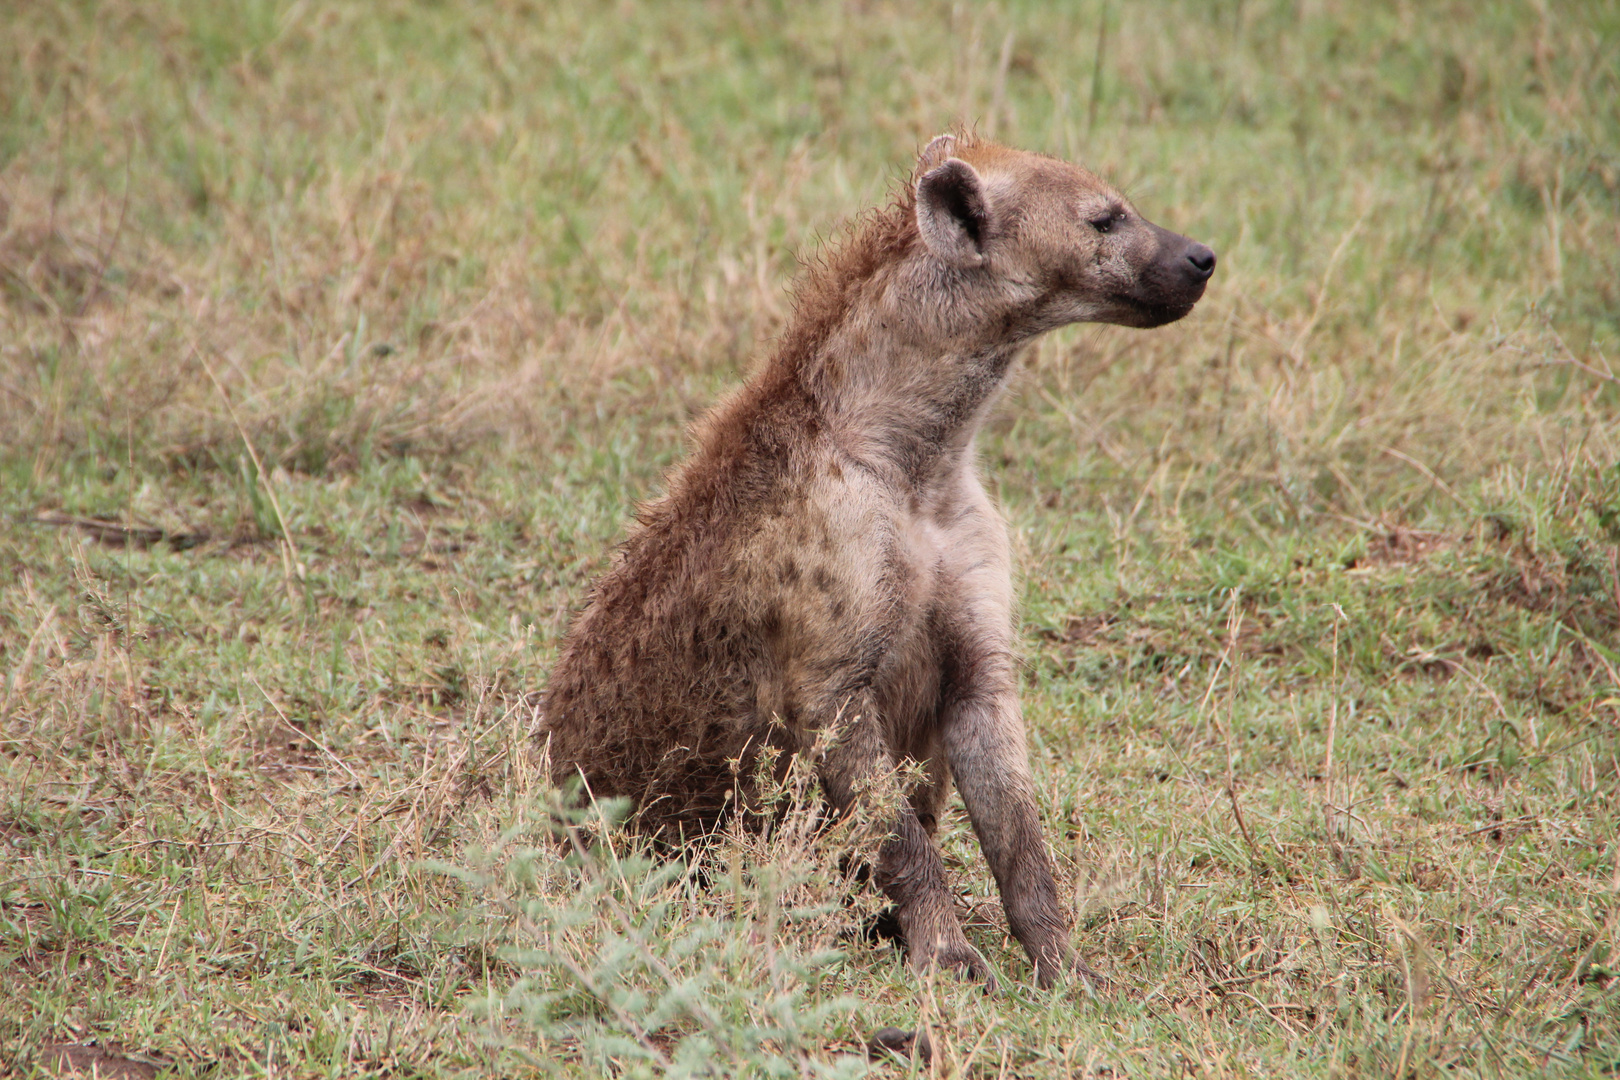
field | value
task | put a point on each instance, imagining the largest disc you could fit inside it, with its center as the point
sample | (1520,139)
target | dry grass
(337,341)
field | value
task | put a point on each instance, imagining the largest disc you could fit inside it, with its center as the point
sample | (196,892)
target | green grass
(338,341)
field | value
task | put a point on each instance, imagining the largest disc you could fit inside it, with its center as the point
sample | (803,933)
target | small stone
(903,1043)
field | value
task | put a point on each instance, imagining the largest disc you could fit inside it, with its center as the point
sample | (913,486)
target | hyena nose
(1200,261)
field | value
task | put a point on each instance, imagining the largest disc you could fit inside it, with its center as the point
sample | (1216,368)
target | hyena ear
(938,149)
(953,213)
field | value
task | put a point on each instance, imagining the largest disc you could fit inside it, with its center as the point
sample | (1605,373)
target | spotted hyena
(825,570)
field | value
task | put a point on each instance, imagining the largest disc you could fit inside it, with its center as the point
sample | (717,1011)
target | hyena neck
(905,381)
(896,356)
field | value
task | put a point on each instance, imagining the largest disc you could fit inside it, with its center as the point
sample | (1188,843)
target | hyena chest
(907,680)
(852,627)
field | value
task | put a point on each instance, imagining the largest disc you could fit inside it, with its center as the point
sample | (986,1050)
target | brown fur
(826,562)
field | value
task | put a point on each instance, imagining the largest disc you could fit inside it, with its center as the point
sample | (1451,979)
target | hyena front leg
(861,766)
(985,743)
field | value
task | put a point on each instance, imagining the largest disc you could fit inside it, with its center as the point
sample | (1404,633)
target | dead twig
(106,531)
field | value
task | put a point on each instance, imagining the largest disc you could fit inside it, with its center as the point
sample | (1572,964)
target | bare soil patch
(108,1062)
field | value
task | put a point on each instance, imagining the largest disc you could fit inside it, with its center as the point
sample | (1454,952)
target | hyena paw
(1082,973)
(961,959)
(1058,963)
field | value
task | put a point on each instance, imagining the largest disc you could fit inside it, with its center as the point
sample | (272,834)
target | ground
(338,341)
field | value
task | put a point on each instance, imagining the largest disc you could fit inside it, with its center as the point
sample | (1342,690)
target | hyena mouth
(1146,314)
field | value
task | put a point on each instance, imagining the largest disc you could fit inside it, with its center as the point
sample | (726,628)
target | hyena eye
(1104,223)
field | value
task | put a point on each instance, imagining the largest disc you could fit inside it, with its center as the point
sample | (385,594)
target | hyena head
(1050,243)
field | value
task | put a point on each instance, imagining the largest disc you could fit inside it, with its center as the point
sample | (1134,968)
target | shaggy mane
(832,278)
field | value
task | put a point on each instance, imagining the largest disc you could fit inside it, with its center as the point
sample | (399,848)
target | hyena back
(826,561)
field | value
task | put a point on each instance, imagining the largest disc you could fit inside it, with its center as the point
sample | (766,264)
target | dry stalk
(289,554)
(1428,472)
(1234,625)
(1296,352)
(1332,732)
(20,672)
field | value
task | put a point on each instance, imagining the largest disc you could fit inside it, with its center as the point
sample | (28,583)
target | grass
(338,341)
